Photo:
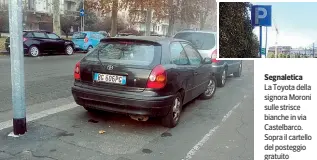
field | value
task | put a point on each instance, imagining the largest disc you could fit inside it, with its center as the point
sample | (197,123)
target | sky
(296,22)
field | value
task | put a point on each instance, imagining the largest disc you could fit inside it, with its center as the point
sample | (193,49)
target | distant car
(105,33)
(124,34)
(143,76)
(85,41)
(206,43)
(37,42)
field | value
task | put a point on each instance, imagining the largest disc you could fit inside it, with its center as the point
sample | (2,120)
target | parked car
(104,33)
(37,42)
(124,34)
(85,41)
(206,43)
(143,77)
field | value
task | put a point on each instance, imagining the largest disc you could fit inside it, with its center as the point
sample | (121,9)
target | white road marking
(196,148)
(38,115)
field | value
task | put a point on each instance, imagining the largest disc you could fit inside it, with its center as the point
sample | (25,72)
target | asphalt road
(47,78)
(216,129)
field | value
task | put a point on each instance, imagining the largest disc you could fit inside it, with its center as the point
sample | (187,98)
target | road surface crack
(13,155)
(242,135)
(37,156)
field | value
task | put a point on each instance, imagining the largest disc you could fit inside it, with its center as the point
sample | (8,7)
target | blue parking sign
(82,12)
(261,15)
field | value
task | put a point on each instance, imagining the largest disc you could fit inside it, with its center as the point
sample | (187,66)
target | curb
(3,53)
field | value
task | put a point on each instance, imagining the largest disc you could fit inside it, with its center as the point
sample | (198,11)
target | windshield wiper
(98,52)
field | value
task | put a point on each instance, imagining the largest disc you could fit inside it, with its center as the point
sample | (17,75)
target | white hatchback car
(206,44)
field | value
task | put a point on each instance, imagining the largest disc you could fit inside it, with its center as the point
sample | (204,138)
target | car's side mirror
(207,60)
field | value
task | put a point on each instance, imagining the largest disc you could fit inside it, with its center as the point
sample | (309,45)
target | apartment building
(3,4)
(37,14)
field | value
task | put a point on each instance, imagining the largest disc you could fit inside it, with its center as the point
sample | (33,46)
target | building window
(68,5)
(31,5)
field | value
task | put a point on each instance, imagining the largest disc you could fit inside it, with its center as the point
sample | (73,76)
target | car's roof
(87,32)
(193,31)
(156,39)
(36,31)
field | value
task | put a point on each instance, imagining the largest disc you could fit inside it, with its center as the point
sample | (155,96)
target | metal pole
(17,67)
(260,48)
(313,50)
(84,15)
(265,41)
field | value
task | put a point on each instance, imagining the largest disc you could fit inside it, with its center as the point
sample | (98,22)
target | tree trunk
(171,20)
(148,22)
(56,17)
(114,18)
(202,20)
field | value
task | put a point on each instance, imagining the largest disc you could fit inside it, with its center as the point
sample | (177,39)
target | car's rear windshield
(125,53)
(79,35)
(202,41)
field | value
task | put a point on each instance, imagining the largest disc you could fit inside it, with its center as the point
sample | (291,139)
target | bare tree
(56,17)
(208,10)
(114,18)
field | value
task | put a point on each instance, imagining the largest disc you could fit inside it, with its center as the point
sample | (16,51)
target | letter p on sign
(261,15)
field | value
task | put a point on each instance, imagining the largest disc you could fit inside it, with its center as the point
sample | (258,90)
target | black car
(205,42)
(37,42)
(143,76)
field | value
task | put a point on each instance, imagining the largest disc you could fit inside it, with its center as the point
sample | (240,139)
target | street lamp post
(17,67)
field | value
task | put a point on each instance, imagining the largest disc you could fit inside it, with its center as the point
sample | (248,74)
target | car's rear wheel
(210,90)
(238,73)
(222,78)
(69,50)
(172,118)
(34,51)
(89,48)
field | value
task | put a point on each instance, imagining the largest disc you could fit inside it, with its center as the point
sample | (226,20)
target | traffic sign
(82,12)
(261,15)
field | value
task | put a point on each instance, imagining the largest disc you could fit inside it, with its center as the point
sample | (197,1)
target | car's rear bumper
(217,69)
(124,103)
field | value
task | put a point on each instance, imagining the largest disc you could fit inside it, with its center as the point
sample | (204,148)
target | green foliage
(236,38)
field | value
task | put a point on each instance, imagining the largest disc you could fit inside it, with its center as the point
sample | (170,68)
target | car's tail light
(24,39)
(157,78)
(214,56)
(86,39)
(77,71)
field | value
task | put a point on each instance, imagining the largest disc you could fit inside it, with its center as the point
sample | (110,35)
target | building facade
(37,14)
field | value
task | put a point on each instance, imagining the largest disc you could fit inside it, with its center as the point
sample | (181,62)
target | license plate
(107,78)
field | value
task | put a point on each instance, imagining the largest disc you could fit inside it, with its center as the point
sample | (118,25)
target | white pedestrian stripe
(196,148)
(42,114)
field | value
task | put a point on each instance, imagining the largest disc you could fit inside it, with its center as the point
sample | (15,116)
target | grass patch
(2,40)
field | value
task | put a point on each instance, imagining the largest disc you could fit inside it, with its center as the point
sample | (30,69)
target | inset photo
(267,30)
